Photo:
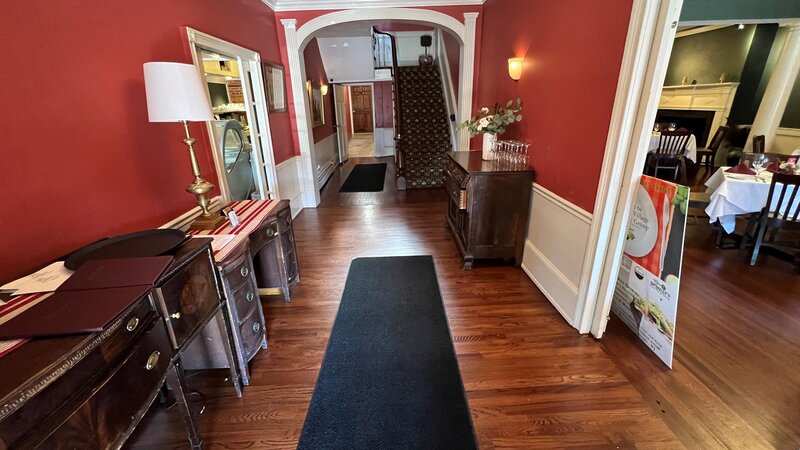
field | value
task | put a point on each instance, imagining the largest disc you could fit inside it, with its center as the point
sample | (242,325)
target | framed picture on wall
(315,104)
(275,87)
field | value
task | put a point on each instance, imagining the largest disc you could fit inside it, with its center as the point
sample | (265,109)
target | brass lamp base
(210,222)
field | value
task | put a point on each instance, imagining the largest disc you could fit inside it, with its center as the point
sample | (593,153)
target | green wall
(791,117)
(705,56)
(704,10)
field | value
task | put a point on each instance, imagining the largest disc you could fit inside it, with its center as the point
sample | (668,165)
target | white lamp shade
(175,93)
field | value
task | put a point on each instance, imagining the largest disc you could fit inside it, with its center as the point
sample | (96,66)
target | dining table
(734,194)
(691,146)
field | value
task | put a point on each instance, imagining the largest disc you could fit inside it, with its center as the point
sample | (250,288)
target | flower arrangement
(790,168)
(494,122)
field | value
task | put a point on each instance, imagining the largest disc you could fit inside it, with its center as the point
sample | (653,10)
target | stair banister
(398,125)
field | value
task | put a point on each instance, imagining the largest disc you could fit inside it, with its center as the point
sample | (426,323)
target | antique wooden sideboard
(260,262)
(91,390)
(488,207)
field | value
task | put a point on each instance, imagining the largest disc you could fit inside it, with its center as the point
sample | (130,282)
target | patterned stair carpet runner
(426,133)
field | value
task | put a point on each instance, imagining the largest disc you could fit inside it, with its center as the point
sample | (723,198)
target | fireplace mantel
(717,97)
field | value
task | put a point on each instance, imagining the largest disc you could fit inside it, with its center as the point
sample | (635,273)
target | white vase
(488,141)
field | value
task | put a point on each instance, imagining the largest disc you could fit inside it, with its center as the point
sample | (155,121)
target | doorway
(362,113)
(240,135)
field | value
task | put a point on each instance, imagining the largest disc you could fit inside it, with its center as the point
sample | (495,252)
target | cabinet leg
(223,320)
(468,260)
(177,381)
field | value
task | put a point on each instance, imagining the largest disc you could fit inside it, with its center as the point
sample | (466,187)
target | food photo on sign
(646,295)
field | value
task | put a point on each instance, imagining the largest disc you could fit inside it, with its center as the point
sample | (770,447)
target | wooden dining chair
(759,142)
(784,192)
(706,156)
(670,152)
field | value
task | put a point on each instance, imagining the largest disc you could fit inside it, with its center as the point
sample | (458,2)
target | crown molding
(308,5)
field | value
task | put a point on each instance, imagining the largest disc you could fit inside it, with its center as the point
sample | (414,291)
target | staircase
(425,134)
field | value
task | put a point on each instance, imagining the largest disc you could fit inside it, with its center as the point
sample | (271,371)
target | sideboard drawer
(263,235)
(104,419)
(188,298)
(238,272)
(252,333)
(244,300)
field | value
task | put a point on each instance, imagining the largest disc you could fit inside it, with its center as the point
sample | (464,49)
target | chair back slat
(785,208)
(672,143)
(719,136)
(759,142)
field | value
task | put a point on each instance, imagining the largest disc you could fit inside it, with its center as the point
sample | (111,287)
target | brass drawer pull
(152,360)
(256,327)
(250,296)
(244,271)
(176,315)
(132,324)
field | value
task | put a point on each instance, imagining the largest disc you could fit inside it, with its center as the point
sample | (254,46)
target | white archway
(296,38)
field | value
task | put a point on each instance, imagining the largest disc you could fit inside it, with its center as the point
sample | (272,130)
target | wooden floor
(531,380)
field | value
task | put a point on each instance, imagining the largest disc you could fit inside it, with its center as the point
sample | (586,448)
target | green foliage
(496,122)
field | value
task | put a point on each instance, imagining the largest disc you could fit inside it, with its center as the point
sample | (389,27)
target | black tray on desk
(133,245)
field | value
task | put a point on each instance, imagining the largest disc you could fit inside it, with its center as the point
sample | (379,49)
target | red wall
(80,159)
(315,71)
(573,51)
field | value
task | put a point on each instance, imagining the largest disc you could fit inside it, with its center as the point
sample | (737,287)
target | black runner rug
(389,379)
(365,178)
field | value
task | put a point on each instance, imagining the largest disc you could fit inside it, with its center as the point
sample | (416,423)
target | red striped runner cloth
(13,308)
(251,214)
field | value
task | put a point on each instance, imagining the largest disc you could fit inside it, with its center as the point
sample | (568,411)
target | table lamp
(175,93)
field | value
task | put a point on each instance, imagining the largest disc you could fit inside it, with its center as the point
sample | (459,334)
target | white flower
(483,123)
(484,110)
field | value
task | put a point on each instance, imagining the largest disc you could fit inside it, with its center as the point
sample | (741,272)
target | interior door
(361,97)
(341,120)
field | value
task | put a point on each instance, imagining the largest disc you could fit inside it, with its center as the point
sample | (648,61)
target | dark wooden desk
(90,391)
(488,207)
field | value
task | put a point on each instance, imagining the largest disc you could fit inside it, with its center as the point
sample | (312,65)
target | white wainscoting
(786,140)
(384,142)
(326,155)
(558,234)
(289,183)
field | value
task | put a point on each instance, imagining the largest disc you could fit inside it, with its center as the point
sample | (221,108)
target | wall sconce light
(323,89)
(515,68)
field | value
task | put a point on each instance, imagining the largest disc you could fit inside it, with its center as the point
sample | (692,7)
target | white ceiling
(305,5)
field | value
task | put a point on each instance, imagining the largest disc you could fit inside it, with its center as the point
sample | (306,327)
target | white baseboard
(183,221)
(289,183)
(326,154)
(558,234)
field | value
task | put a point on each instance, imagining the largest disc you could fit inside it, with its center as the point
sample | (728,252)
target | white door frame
(266,158)
(340,90)
(651,33)
(297,38)
(374,124)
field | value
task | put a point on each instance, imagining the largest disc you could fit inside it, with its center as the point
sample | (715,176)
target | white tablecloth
(691,146)
(735,194)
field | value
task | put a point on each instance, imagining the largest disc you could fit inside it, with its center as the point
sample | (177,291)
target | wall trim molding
(564,204)
(183,221)
(292,165)
(555,272)
(783,131)
(309,5)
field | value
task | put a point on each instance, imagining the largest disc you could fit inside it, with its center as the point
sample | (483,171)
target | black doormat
(365,178)
(390,379)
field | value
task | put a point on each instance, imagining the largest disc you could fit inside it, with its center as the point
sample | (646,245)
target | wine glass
(656,128)
(672,126)
(759,164)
